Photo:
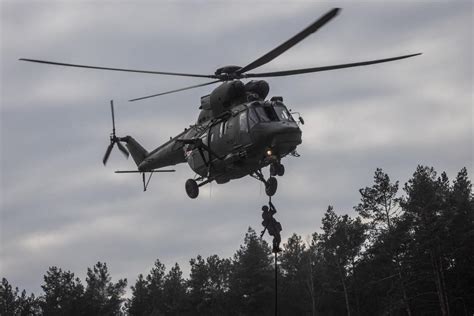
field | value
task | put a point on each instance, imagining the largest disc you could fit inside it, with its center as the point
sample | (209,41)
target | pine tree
(28,305)
(139,303)
(174,292)
(426,206)
(251,285)
(380,207)
(460,229)
(208,285)
(341,242)
(156,280)
(102,297)
(8,298)
(218,286)
(63,293)
(296,282)
(198,285)
(12,304)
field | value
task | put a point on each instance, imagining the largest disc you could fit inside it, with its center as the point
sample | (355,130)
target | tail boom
(136,150)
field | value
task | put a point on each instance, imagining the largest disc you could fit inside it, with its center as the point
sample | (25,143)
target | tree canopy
(398,253)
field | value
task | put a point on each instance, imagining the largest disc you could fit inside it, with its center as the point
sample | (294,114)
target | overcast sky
(61,206)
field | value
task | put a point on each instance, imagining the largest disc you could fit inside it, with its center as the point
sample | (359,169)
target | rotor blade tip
(416,54)
(335,11)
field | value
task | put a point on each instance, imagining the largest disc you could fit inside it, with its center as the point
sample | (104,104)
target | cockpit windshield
(266,113)
(271,113)
(283,114)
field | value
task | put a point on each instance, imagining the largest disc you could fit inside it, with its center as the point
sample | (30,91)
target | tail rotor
(114,139)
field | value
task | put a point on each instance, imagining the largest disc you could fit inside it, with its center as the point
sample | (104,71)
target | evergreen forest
(403,251)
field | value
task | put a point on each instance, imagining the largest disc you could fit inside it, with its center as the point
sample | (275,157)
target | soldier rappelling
(272,225)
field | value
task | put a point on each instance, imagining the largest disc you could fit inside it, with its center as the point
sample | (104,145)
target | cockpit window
(262,115)
(266,113)
(283,114)
(253,118)
(243,122)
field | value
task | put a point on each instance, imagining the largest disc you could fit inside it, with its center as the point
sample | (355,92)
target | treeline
(404,254)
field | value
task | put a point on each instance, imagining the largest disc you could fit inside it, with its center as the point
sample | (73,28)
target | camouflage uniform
(273,226)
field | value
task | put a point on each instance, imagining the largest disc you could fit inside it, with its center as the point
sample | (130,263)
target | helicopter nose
(285,137)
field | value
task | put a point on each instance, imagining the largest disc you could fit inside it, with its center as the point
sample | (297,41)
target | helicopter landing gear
(271,184)
(192,188)
(277,169)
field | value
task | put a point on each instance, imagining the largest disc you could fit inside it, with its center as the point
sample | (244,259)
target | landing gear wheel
(271,186)
(192,188)
(273,170)
(277,169)
(280,170)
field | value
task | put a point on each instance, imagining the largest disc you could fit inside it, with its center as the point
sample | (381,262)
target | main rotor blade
(118,69)
(325,68)
(177,90)
(107,153)
(290,43)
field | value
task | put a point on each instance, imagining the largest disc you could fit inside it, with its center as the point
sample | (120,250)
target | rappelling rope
(276,284)
(276,272)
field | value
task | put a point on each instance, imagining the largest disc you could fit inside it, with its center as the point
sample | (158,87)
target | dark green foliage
(155,281)
(174,292)
(63,294)
(408,255)
(139,304)
(19,305)
(459,244)
(251,280)
(209,285)
(8,298)
(148,293)
(101,296)
(296,288)
(340,244)
(379,202)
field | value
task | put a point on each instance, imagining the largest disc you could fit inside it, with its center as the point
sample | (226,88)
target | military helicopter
(238,132)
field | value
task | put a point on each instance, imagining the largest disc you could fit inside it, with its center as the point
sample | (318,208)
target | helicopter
(238,131)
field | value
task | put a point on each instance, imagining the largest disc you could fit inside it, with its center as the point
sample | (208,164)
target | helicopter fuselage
(240,141)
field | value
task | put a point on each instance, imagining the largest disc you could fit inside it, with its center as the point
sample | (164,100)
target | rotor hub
(228,73)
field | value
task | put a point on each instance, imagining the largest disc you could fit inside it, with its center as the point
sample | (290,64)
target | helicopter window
(253,118)
(266,113)
(215,131)
(204,138)
(243,122)
(222,129)
(283,113)
(262,114)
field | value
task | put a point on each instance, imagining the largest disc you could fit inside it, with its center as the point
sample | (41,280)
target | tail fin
(136,150)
